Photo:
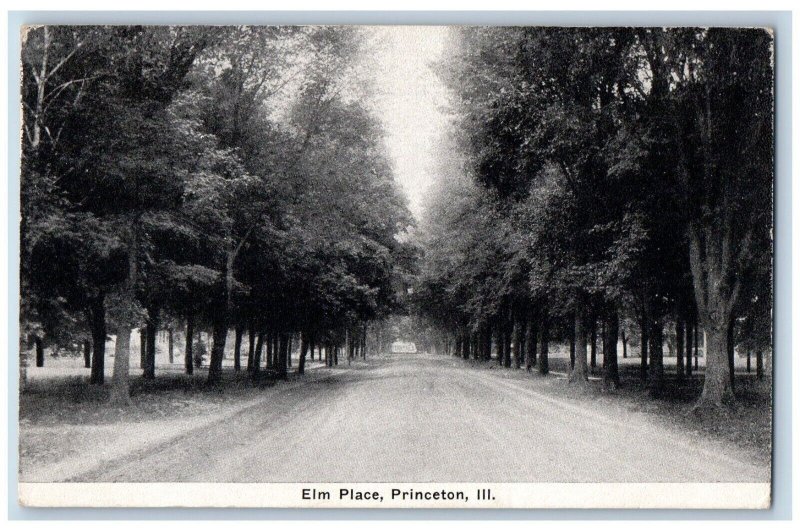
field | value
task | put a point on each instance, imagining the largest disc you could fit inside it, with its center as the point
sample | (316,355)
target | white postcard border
(423,495)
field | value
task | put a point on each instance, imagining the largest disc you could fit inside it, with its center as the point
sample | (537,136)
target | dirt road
(428,418)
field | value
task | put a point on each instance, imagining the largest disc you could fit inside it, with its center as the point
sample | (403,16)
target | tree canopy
(221,175)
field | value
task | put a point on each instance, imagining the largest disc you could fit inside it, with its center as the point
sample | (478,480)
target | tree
(715,88)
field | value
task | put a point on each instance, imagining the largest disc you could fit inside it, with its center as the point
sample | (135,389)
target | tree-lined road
(417,418)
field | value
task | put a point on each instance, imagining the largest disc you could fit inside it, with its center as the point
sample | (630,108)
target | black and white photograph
(396,266)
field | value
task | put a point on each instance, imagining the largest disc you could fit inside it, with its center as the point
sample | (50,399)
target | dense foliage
(604,176)
(217,178)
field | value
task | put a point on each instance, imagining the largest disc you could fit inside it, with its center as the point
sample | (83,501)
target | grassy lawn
(747,423)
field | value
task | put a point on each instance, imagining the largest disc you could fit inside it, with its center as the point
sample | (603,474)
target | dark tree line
(227,179)
(604,181)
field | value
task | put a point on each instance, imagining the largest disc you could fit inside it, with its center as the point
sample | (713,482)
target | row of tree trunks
(518,339)
(279,348)
(356,342)
(331,354)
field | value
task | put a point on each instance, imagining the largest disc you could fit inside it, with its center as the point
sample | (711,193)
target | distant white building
(402,347)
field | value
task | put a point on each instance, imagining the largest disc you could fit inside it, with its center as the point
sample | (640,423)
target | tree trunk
(689,348)
(644,340)
(220,320)
(520,328)
(237,348)
(23,363)
(656,375)
(301,363)
(624,345)
(364,344)
(716,289)
(507,337)
(283,354)
(572,343)
(259,348)
(98,317)
(87,354)
(142,346)
(610,338)
(717,387)
(219,335)
(759,364)
(188,362)
(152,330)
(251,346)
(531,337)
(170,345)
(349,345)
(544,351)
(120,385)
(680,333)
(487,343)
(731,354)
(748,361)
(580,369)
(39,351)
(41,78)
(120,380)
(593,342)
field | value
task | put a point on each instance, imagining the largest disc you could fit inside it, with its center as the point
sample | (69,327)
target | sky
(410,100)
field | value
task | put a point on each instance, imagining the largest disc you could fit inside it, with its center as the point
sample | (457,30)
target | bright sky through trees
(410,101)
